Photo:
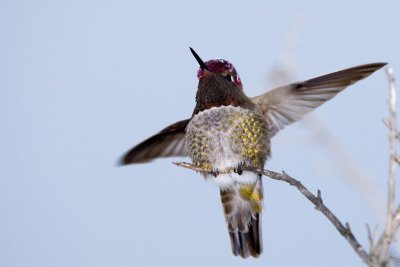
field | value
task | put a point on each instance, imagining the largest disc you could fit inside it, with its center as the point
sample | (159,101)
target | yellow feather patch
(252,194)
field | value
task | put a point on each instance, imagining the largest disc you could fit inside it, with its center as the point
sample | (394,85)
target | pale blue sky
(83,81)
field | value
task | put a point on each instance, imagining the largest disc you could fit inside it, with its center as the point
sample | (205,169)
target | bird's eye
(229,78)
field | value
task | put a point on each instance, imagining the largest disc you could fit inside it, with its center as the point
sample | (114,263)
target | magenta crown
(222,67)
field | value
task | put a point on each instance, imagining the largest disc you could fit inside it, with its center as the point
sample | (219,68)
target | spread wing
(289,103)
(169,142)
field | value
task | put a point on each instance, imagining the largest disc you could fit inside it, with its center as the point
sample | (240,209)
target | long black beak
(201,62)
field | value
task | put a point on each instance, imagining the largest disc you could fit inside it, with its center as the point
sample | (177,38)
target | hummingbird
(230,131)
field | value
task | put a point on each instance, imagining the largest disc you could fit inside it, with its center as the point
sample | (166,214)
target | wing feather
(287,104)
(169,142)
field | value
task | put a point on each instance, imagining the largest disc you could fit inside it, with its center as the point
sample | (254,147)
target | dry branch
(344,230)
(379,255)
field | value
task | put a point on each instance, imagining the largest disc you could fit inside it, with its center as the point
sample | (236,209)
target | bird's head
(220,67)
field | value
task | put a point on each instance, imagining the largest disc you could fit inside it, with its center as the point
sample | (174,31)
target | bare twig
(372,237)
(393,147)
(380,253)
(345,231)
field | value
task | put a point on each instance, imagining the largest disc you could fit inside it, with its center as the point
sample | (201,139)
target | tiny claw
(239,169)
(214,173)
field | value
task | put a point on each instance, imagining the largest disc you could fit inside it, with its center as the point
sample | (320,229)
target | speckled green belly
(224,137)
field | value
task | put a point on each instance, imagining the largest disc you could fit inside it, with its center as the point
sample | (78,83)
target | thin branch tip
(319,195)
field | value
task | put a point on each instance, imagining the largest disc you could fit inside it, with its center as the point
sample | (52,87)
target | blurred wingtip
(121,161)
(131,158)
(380,64)
(377,65)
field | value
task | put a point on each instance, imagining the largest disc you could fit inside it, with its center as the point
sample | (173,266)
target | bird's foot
(214,173)
(239,169)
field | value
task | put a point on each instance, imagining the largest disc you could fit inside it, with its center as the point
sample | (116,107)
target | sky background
(83,81)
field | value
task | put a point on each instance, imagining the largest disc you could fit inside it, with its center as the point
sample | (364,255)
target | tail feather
(253,236)
(244,223)
(247,243)
(239,244)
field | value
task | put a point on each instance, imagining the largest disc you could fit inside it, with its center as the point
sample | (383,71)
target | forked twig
(380,253)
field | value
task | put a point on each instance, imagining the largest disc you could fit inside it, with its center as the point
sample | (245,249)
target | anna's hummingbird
(229,130)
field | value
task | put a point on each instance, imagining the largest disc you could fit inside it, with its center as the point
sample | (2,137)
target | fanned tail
(242,208)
